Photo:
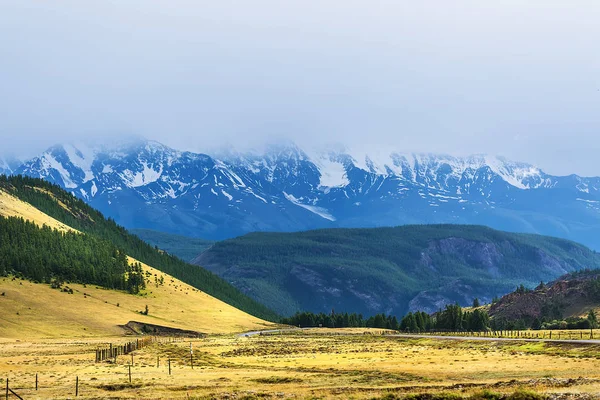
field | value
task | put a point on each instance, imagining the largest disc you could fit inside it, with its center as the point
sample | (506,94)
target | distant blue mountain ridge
(145,184)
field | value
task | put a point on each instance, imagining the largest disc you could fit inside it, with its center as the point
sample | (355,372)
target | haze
(504,77)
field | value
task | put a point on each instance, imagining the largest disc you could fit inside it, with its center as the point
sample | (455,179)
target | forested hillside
(57,203)
(390,270)
(48,255)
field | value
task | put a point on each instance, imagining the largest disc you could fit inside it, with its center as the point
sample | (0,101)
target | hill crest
(145,184)
(390,270)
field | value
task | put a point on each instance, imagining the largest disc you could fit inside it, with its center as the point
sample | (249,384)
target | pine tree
(592,319)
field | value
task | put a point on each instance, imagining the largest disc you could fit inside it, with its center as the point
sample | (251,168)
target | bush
(525,395)
(486,395)
(436,396)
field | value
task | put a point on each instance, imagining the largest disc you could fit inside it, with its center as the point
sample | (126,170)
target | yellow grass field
(29,310)
(10,206)
(303,364)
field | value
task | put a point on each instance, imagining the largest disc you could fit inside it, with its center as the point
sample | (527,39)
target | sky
(514,78)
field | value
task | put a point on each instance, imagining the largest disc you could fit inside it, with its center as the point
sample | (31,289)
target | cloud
(511,78)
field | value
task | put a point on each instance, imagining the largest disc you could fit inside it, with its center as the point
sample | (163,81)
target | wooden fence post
(169,368)
(76,386)
(129,373)
(36,381)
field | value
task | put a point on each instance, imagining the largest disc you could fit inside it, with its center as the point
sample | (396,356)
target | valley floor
(301,364)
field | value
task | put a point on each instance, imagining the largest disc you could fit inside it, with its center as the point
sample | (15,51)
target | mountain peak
(145,184)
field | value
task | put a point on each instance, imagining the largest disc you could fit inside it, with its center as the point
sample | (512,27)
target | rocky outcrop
(483,254)
(570,295)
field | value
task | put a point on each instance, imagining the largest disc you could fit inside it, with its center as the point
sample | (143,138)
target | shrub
(525,395)
(486,395)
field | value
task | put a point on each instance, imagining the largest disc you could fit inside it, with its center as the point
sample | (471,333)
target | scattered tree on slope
(54,201)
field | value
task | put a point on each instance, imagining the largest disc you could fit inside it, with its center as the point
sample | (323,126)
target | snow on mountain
(320,211)
(5,168)
(148,185)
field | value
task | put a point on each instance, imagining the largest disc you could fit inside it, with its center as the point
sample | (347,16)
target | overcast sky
(515,78)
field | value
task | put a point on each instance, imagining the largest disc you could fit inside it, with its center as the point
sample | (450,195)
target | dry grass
(29,310)
(302,365)
(11,206)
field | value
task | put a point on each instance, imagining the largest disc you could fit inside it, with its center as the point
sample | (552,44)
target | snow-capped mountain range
(144,184)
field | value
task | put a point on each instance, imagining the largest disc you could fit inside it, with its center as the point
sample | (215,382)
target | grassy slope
(183,247)
(290,271)
(59,204)
(10,206)
(36,310)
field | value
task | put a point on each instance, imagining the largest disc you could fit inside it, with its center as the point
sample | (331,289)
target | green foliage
(345,320)
(54,201)
(525,395)
(486,395)
(593,288)
(521,289)
(400,262)
(51,256)
(477,321)
(452,318)
(592,319)
(434,396)
(416,322)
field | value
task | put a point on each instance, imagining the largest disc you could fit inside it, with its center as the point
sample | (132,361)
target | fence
(113,351)
(521,334)
(109,353)
(9,391)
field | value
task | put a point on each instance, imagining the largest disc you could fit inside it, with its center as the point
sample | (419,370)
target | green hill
(105,235)
(186,248)
(389,270)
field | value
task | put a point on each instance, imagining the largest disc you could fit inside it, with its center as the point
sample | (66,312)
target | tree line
(452,318)
(341,320)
